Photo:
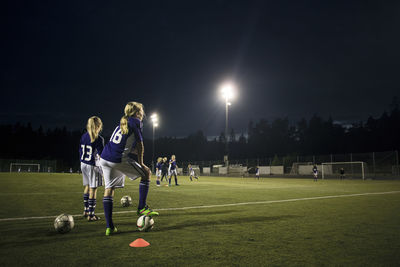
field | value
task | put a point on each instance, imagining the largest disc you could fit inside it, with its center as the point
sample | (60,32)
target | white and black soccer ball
(126,201)
(64,223)
(145,223)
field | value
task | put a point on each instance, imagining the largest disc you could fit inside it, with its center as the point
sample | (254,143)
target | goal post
(24,167)
(352,169)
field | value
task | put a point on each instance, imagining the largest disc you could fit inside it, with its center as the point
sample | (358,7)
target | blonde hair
(131,109)
(94,127)
(159,159)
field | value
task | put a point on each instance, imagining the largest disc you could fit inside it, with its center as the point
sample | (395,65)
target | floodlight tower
(227,90)
(154,120)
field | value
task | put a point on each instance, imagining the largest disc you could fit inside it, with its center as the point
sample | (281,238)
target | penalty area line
(218,205)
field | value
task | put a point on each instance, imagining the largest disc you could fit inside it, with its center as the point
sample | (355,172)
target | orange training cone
(139,243)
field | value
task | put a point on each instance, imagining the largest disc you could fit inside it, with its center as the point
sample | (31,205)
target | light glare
(227,91)
(154,118)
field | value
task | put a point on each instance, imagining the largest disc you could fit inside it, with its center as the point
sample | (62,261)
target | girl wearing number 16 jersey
(123,156)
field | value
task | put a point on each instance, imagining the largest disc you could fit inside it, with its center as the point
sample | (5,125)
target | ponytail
(130,111)
(94,127)
(123,124)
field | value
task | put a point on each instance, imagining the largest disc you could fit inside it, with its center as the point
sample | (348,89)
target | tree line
(263,139)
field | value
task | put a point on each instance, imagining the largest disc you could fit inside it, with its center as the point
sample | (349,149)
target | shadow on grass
(38,234)
(206,223)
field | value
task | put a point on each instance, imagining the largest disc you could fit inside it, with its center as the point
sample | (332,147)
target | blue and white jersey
(120,145)
(315,170)
(159,166)
(172,164)
(89,150)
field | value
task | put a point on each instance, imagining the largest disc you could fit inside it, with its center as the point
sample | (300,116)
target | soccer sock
(108,207)
(143,190)
(91,209)
(85,202)
(169,180)
(176,180)
(158,182)
(191,178)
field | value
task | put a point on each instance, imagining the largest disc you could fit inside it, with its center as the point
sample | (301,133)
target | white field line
(218,206)
(39,193)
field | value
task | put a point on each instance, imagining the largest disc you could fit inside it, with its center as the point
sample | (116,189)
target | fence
(378,164)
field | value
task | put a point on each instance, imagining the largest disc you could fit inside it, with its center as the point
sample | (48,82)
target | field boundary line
(218,205)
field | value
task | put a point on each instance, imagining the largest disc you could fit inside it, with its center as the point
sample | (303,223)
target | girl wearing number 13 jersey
(123,156)
(91,146)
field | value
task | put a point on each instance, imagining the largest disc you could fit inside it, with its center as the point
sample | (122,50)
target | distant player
(172,170)
(164,169)
(191,173)
(341,174)
(91,146)
(315,173)
(118,161)
(158,170)
(258,173)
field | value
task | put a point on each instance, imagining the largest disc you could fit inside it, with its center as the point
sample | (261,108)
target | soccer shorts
(158,173)
(171,172)
(92,175)
(191,173)
(114,173)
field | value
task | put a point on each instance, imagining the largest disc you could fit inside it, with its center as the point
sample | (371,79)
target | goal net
(353,169)
(24,167)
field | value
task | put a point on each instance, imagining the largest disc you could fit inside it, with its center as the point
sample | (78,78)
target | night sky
(63,61)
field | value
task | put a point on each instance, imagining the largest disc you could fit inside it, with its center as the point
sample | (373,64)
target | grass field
(213,222)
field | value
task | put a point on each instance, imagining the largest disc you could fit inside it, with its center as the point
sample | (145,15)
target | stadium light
(227,90)
(228,93)
(154,120)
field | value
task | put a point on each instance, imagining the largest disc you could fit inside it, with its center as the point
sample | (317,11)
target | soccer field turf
(211,222)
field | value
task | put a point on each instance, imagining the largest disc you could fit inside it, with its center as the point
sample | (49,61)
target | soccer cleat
(177,184)
(110,231)
(85,214)
(93,218)
(147,211)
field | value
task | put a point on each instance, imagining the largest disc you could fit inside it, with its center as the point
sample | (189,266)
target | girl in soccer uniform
(341,174)
(158,170)
(315,172)
(164,169)
(91,146)
(118,161)
(172,170)
(191,173)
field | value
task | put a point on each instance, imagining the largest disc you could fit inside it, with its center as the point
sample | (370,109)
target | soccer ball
(64,223)
(145,223)
(126,201)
